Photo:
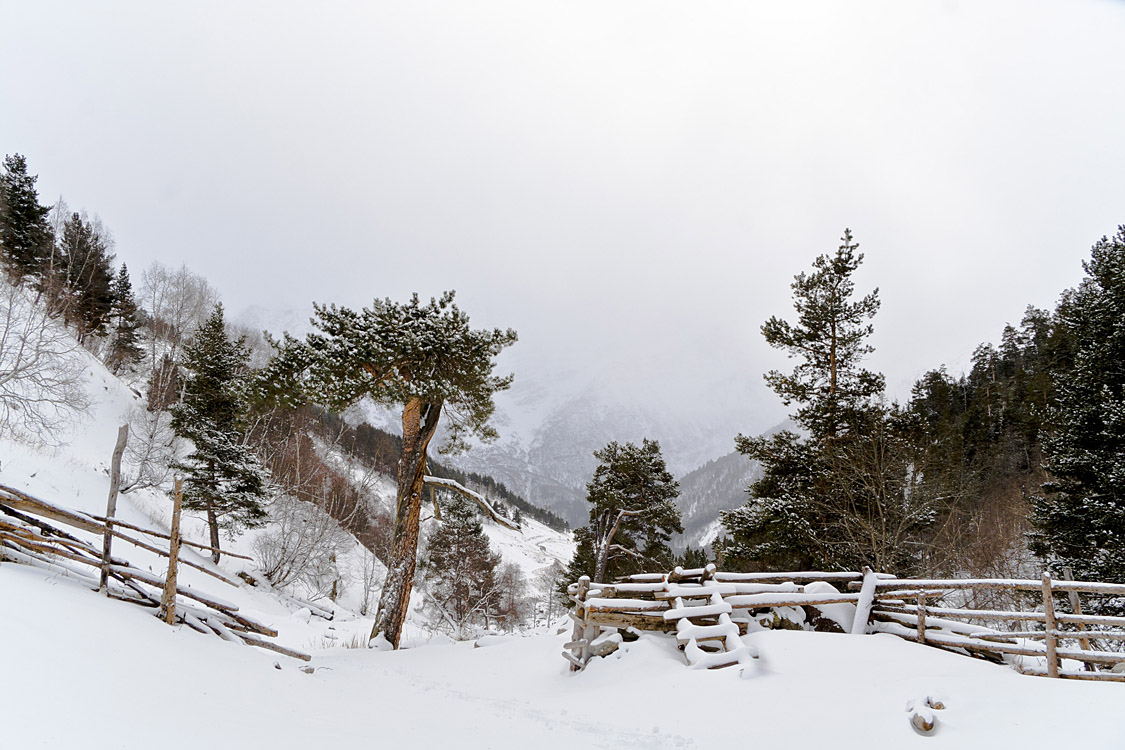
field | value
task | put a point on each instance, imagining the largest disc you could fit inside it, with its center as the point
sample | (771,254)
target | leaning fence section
(43,534)
(708,610)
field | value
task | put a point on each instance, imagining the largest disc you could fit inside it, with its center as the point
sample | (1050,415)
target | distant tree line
(67,259)
(381,449)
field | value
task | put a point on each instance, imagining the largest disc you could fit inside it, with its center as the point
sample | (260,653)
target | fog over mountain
(613,180)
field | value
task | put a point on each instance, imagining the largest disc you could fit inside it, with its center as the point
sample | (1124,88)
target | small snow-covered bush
(301,546)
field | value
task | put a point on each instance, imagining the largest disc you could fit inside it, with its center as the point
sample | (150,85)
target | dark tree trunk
(213,523)
(419,422)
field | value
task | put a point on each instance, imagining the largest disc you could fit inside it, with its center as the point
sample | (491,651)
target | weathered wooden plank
(806,576)
(639,621)
(1052,641)
(1089,587)
(773,601)
(270,645)
(967,614)
(1062,635)
(111,503)
(190,593)
(161,535)
(1076,608)
(168,600)
(576,664)
(921,619)
(95,524)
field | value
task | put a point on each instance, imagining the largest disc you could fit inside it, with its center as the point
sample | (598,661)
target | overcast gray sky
(608,178)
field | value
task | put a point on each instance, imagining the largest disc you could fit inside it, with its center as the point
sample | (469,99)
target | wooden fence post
(1076,608)
(111,505)
(579,641)
(168,600)
(1052,628)
(922,618)
(865,602)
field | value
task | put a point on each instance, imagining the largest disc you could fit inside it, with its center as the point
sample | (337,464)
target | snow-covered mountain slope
(716,486)
(712,488)
(76,475)
(552,423)
(82,670)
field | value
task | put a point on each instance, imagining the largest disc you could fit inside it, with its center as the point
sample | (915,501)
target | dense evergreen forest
(1017,463)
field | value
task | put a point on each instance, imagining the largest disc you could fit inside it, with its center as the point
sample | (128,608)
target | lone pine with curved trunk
(423,358)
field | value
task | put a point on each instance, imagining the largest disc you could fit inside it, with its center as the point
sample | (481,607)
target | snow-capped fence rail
(25,537)
(912,609)
(698,605)
(707,609)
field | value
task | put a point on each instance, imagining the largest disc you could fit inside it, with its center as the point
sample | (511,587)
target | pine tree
(86,260)
(830,336)
(633,509)
(223,479)
(125,348)
(421,358)
(846,494)
(1080,517)
(25,236)
(461,568)
(581,563)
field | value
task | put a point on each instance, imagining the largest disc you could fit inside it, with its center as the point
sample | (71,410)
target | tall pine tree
(421,358)
(223,479)
(84,254)
(25,236)
(845,495)
(1080,517)
(830,337)
(125,348)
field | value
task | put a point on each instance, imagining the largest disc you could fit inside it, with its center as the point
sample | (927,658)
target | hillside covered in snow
(499,690)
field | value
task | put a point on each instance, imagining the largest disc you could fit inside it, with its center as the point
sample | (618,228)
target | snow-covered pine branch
(449,484)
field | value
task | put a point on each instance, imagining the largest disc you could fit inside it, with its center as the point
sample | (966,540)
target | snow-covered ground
(84,671)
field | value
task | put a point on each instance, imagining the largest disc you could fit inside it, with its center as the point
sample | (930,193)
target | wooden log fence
(28,535)
(1045,640)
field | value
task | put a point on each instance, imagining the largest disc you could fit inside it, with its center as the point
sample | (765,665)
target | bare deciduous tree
(177,301)
(301,546)
(41,370)
(151,451)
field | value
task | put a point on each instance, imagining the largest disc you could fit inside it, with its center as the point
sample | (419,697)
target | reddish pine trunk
(419,422)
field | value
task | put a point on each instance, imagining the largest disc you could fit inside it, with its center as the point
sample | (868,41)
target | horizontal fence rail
(697,604)
(30,534)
